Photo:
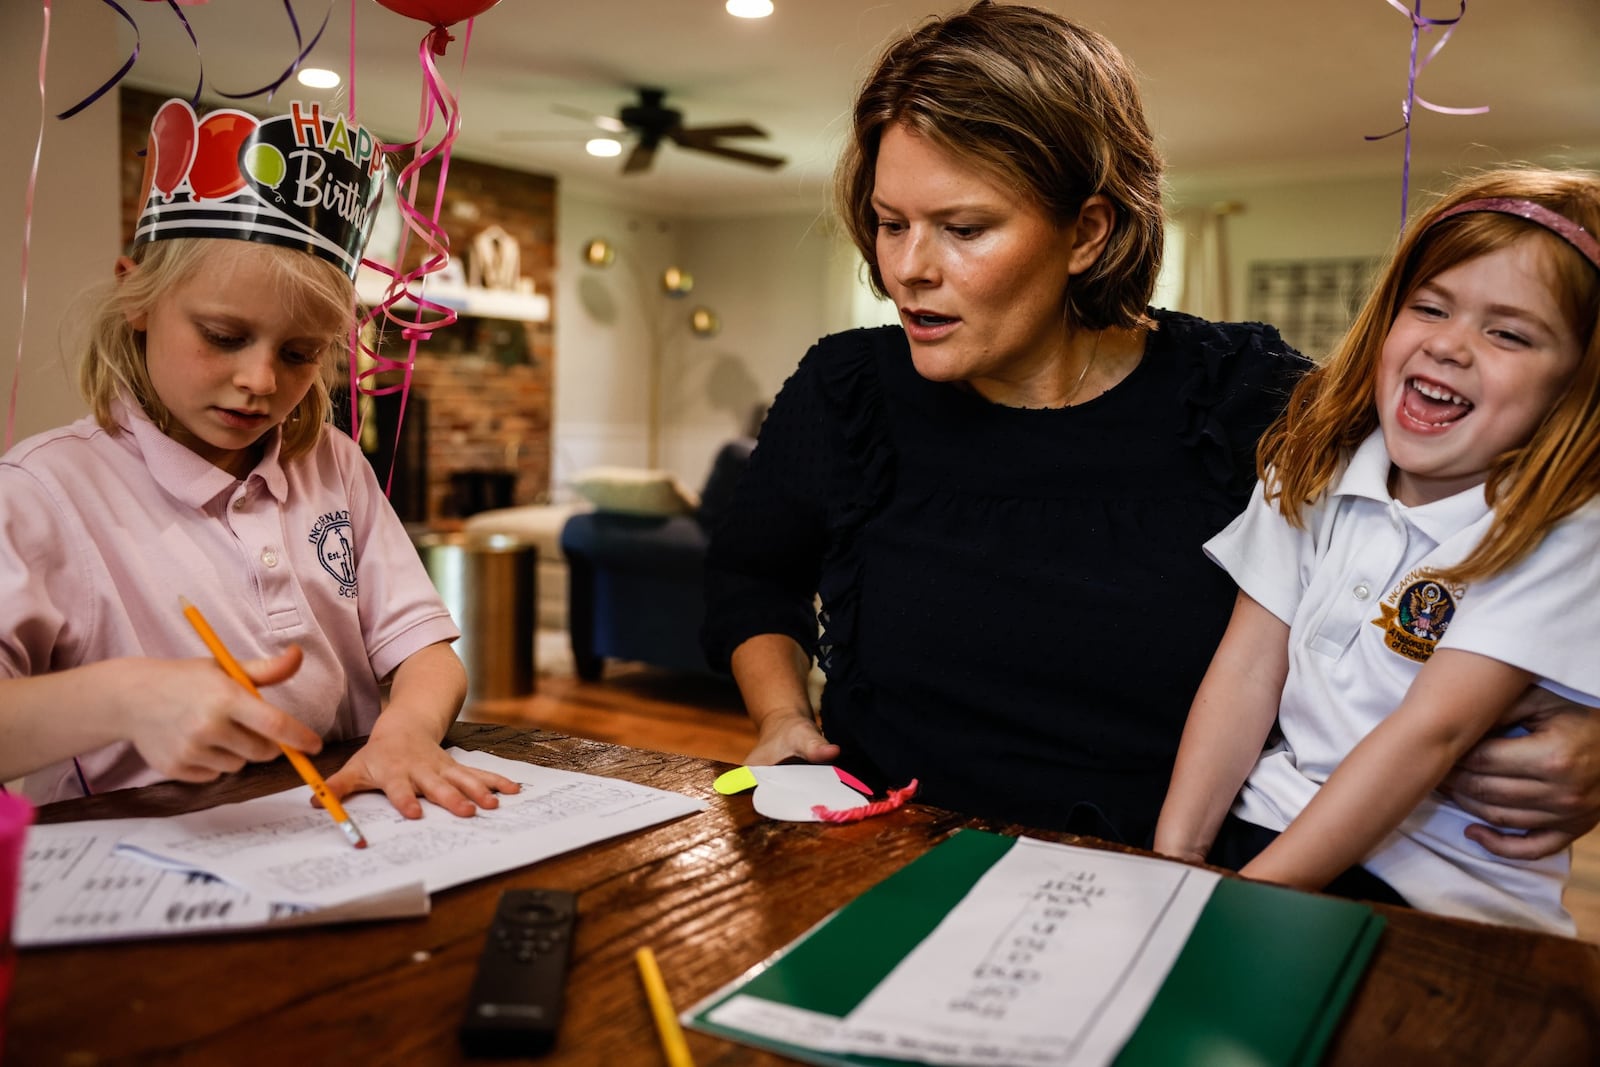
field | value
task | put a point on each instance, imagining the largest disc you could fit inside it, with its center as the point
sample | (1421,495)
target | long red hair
(1332,410)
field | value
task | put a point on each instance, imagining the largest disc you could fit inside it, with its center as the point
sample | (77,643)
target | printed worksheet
(281,848)
(76,889)
(1051,959)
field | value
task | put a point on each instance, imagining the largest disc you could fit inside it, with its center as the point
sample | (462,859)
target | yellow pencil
(225,660)
(672,1042)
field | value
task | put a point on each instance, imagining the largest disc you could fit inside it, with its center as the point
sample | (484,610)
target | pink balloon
(439,12)
(173,137)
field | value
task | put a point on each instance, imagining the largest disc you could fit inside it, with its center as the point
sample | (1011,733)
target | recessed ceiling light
(603,146)
(749,9)
(317,78)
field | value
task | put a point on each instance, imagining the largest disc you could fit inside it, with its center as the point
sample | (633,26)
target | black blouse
(1016,610)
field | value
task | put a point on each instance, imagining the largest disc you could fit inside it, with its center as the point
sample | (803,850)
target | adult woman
(1002,503)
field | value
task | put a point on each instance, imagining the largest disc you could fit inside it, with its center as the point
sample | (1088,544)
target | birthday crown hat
(302,180)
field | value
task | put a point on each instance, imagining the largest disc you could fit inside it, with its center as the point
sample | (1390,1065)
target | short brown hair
(115,361)
(1333,408)
(1049,109)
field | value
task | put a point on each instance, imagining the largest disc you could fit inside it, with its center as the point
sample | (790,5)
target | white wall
(75,215)
(769,280)
(604,324)
(1310,218)
(774,282)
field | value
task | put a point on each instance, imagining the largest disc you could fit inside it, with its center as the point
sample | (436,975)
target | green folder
(1263,978)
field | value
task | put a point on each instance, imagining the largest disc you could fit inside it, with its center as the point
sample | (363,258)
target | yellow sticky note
(735,781)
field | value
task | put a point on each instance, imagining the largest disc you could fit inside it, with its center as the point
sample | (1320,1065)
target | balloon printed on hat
(302,180)
(173,136)
(215,174)
(265,164)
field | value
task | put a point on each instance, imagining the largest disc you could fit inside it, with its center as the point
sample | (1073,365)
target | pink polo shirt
(101,534)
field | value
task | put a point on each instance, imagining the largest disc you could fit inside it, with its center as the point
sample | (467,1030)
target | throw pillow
(635,492)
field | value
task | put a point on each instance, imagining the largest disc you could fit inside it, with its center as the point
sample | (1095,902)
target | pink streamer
(1419,24)
(351,80)
(27,233)
(896,798)
(411,285)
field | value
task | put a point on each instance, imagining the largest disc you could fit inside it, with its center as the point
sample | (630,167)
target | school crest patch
(1416,613)
(336,550)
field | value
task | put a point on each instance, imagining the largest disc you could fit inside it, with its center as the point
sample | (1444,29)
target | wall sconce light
(704,322)
(676,282)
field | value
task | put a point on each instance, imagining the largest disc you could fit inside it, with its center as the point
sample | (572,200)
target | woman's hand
(1539,791)
(404,762)
(192,722)
(790,735)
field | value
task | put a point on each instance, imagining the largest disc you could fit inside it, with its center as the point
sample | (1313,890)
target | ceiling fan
(651,122)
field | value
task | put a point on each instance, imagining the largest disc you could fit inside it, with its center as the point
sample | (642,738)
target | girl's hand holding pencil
(193,723)
(307,772)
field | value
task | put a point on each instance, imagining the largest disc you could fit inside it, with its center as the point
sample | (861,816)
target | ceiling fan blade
(704,133)
(735,153)
(640,158)
(604,122)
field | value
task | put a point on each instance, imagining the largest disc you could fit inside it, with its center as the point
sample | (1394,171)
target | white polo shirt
(1357,589)
(100,535)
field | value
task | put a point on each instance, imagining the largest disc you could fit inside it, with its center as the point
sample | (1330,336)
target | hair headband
(1557,223)
(301,180)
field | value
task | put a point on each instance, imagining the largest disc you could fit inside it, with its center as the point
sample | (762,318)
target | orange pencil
(225,660)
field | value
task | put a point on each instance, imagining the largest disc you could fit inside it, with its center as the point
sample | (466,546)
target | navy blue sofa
(636,583)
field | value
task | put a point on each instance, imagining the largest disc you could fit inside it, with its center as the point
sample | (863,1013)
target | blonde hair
(1048,108)
(1332,409)
(114,360)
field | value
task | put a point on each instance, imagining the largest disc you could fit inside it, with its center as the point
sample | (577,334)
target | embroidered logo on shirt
(335,550)
(1416,613)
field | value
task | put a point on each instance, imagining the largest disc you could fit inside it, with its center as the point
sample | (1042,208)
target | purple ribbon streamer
(194,101)
(1419,23)
(300,57)
(115,78)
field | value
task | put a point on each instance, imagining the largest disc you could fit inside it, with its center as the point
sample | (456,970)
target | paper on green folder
(1262,978)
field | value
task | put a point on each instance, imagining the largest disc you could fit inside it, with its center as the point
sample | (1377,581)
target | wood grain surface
(713,894)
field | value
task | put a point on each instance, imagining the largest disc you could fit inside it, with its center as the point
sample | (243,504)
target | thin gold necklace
(1084,373)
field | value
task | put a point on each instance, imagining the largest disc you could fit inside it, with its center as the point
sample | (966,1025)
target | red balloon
(171,149)
(439,12)
(215,173)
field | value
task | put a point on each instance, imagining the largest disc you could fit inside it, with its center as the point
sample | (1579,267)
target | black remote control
(515,1006)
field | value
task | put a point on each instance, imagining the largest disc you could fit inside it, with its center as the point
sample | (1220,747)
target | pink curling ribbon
(1420,24)
(430,315)
(896,798)
(27,232)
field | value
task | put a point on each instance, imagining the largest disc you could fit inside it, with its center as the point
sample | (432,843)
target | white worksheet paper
(1051,959)
(280,848)
(76,889)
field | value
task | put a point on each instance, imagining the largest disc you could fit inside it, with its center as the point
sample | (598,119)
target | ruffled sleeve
(852,389)
(1240,380)
(803,488)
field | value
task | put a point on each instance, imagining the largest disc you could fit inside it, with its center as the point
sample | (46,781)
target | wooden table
(713,894)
